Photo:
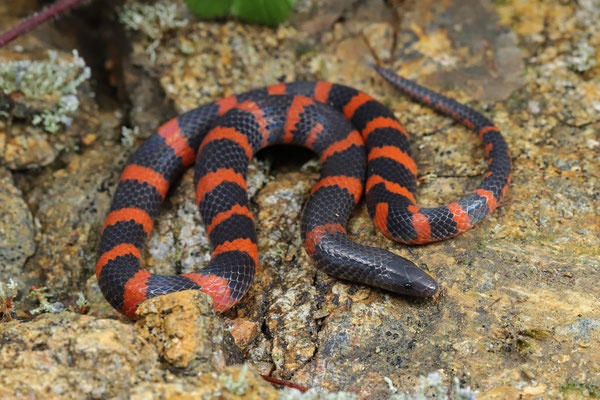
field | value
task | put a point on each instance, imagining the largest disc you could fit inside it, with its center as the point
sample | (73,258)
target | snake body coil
(338,123)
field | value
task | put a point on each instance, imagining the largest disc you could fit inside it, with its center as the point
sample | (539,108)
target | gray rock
(17,229)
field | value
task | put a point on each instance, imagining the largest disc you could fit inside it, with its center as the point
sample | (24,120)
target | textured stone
(73,356)
(243,332)
(70,204)
(517,290)
(500,281)
(234,383)
(187,332)
(17,229)
(25,147)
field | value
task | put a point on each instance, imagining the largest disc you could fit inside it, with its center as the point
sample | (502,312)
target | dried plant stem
(39,17)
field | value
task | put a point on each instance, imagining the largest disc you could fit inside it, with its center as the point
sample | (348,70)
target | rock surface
(519,311)
(235,382)
(17,229)
(73,356)
(187,333)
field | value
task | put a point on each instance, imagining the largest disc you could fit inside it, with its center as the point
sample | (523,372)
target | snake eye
(408,285)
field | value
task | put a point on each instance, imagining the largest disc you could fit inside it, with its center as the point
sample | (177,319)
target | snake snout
(408,279)
(423,285)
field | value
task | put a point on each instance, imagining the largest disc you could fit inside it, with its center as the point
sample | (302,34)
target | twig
(36,19)
(284,383)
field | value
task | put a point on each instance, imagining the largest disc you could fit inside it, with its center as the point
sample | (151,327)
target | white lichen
(128,135)
(432,387)
(11,286)
(47,78)
(583,58)
(46,306)
(51,120)
(153,20)
(81,300)
(7,298)
(315,394)
(237,386)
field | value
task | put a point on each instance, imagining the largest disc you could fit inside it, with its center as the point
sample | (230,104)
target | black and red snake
(349,131)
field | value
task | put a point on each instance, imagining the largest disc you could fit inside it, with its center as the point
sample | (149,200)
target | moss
(572,388)
(538,334)
(523,344)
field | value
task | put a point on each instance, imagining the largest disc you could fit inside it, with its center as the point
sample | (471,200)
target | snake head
(406,278)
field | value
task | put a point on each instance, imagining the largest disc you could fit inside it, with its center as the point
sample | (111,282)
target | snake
(362,147)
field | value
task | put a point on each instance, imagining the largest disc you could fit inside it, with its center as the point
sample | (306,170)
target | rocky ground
(519,311)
